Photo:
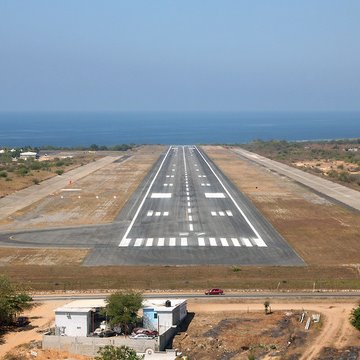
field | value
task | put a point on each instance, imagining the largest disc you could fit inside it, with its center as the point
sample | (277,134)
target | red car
(214,291)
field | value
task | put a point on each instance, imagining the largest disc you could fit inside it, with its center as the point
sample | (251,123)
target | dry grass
(103,194)
(325,235)
(76,277)
(19,182)
(238,335)
(20,256)
(321,232)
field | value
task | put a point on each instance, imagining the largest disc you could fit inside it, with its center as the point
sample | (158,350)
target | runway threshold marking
(231,197)
(143,200)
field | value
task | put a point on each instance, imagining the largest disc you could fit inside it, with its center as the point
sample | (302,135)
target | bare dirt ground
(321,232)
(94,199)
(325,165)
(225,330)
(49,257)
(237,331)
(18,182)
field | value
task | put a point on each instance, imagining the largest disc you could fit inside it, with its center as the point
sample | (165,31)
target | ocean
(82,129)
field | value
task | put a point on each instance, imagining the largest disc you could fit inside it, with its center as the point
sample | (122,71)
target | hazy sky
(180,55)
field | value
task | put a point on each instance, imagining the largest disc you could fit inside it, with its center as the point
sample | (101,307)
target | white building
(28,155)
(80,317)
(162,315)
(77,317)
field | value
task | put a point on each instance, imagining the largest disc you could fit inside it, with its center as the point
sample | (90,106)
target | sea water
(83,129)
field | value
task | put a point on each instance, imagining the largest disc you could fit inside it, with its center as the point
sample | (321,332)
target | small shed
(162,315)
(77,318)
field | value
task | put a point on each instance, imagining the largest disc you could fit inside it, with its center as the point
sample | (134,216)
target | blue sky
(179,55)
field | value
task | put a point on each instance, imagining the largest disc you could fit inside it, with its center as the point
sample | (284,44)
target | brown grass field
(326,235)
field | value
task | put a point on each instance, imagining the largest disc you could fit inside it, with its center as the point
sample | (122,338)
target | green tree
(122,308)
(94,147)
(355,317)
(110,352)
(13,301)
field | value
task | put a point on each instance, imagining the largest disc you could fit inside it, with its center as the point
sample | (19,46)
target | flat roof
(73,310)
(85,305)
(159,304)
(82,304)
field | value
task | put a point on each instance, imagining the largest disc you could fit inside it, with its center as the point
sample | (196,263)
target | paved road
(252,296)
(328,188)
(32,194)
(184,212)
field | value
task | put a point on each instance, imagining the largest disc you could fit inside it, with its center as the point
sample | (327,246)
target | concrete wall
(90,345)
(166,337)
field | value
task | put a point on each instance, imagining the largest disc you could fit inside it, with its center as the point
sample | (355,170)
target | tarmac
(185,212)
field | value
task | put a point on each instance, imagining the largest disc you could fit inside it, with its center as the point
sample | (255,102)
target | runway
(187,204)
(186,212)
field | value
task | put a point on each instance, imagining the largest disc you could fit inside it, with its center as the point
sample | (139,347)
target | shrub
(3,174)
(59,172)
(355,317)
(22,171)
(36,181)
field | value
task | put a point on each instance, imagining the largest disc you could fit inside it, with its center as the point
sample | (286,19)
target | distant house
(162,315)
(29,155)
(76,322)
(2,151)
(78,318)
(81,317)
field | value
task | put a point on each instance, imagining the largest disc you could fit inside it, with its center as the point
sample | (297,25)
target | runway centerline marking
(144,198)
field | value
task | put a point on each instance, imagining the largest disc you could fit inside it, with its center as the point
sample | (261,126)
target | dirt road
(336,330)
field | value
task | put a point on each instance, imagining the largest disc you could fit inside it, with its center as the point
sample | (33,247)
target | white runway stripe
(184,241)
(190,218)
(229,213)
(212,242)
(138,242)
(213,213)
(158,213)
(150,213)
(224,242)
(221,213)
(259,242)
(246,242)
(166,213)
(125,242)
(191,227)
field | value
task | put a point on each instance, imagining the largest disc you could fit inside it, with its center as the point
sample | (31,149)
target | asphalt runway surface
(186,212)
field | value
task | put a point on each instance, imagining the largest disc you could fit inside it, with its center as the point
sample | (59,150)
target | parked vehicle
(151,333)
(141,337)
(214,291)
(145,331)
(22,321)
(107,333)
